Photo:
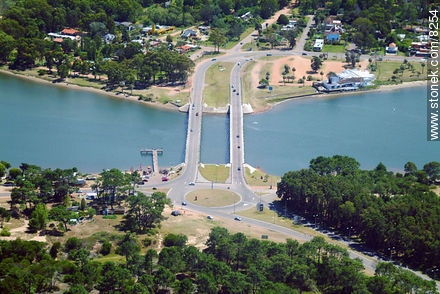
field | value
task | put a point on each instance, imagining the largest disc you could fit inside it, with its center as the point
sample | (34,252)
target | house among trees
(348,80)
(319,43)
(247,16)
(290,26)
(66,33)
(332,38)
(420,48)
(204,29)
(391,49)
(108,38)
(188,33)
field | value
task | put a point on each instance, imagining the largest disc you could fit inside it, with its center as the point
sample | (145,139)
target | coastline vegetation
(395,214)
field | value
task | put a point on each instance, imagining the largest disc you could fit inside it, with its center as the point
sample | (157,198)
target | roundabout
(212,197)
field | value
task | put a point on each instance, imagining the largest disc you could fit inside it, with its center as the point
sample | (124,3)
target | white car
(210,217)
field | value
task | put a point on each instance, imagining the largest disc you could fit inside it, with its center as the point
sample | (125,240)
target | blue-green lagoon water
(58,127)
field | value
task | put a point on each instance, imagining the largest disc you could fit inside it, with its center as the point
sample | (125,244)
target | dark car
(238,168)
(237,218)
(183,203)
(238,146)
(304,53)
(176,213)
(197,114)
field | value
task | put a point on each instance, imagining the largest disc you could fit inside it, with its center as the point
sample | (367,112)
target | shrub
(175,240)
(72,243)
(41,72)
(106,248)
(147,242)
(5,232)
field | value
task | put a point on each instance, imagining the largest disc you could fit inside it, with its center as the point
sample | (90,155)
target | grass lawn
(212,198)
(259,178)
(334,48)
(215,173)
(243,35)
(385,71)
(216,93)
(111,257)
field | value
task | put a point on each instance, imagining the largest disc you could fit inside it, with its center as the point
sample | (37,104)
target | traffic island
(212,197)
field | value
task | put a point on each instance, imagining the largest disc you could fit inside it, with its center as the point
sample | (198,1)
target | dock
(155,153)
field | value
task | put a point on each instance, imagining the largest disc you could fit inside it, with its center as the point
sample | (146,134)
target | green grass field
(385,71)
(215,173)
(243,35)
(259,178)
(333,48)
(216,92)
(212,198)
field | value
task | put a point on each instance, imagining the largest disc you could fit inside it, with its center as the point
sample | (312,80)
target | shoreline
(171,107)
(381,88)
(66,85)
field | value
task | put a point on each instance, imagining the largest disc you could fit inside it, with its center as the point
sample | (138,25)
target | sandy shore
(172,107)
(67,85)
(381,88)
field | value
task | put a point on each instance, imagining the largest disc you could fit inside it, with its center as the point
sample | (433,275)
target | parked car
(210,217)
(237,218)
(214,59)
(269,54)
(234,90)
(164,179)
(176,213)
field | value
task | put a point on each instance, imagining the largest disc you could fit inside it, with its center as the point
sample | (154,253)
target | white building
(319,43)
(349,80)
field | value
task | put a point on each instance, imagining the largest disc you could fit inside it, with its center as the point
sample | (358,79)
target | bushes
(5,232)
(106,248)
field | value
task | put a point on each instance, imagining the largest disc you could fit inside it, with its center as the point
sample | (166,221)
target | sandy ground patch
(303,69)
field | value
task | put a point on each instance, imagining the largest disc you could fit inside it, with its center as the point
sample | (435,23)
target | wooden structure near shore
(155,153)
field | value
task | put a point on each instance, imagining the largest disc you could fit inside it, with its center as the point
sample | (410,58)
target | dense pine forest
(396,214)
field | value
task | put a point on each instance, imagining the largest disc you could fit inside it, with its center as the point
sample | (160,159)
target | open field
(333,48)
(259,178)
(216,92)
(215,173)
(385,69)
(212,198)
(196,226)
